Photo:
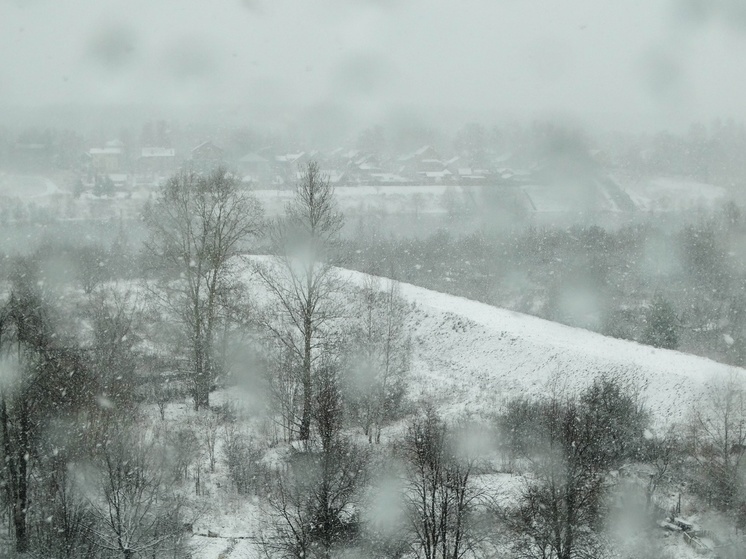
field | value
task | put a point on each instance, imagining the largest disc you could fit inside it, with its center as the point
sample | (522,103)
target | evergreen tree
(661,325)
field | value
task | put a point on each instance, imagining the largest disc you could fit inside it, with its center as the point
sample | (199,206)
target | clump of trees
(570,446)
(45,377)
(198,224)
(668,285)
(315,502)
(661,325)
(440,494)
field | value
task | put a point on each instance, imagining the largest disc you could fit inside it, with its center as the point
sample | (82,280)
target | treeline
(679,289)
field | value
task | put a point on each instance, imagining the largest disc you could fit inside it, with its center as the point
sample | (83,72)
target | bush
(243,458)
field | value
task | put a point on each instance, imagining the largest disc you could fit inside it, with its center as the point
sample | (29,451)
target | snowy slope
(470,357)
(672,194)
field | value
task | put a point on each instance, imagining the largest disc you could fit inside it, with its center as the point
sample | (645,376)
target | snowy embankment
(664,194)
(471,357)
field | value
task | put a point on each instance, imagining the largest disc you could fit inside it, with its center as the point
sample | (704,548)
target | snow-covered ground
(674,194)
(471,357)
(27,186)
(354,200)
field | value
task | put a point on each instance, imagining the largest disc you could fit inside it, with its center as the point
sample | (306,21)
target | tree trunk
(202,376)
(20,507)
(305,422)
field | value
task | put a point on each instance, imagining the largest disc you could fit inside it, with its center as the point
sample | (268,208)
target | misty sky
(622,64)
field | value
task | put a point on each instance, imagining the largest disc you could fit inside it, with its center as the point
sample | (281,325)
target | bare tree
(379,357)
(313,503)
(572,445)
(301,279)
(131,496)
(284,385)
(666,455)
(46,377)
(197,225)
(208,424)
(91,267)
(719,444)
(63,518)
(440,495)
(243,459)
(114,316)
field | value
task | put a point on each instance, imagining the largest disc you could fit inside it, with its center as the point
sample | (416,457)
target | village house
(206,156)
(107,159)
(156,161)
(255,168)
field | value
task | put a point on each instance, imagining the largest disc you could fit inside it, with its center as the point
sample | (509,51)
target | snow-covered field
(26,186)
(354,200)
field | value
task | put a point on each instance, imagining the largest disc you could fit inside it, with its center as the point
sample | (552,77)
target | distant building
(155,160)
(419,163)
(106,160)
(206,156)
(255,169)
(286,165)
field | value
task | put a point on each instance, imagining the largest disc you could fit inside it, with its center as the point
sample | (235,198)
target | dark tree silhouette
(661,325)
(197,225)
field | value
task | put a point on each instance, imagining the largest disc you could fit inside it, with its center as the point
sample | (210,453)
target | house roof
(105,151)
(289,157)
(206,144)
(368,167)
(435,174)
(158,152)
(333,175)
(388,177)
(419,153)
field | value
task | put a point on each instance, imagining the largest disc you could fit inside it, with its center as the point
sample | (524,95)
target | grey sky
(632,63)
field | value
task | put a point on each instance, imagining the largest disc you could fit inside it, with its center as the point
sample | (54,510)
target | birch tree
(301,278)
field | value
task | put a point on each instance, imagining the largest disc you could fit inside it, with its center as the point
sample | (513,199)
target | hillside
(470,357)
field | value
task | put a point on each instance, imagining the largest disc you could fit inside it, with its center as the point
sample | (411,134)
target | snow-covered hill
(471,357)
(667,194)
